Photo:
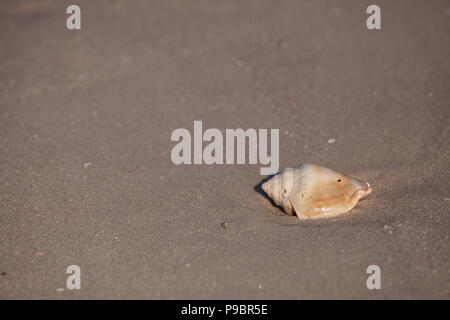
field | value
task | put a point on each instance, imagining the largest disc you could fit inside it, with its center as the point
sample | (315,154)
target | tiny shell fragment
(311,191)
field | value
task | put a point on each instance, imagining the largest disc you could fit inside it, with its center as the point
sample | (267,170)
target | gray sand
(86,174)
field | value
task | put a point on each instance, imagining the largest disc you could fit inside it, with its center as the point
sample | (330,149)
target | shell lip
(365,190)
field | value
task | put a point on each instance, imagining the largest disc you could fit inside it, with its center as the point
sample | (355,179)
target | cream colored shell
(311,191)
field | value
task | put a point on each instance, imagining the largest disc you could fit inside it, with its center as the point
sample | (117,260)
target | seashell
(311,191)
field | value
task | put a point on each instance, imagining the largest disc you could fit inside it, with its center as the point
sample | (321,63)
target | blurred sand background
(86,176)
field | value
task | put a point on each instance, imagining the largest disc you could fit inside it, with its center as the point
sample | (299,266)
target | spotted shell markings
(312,191)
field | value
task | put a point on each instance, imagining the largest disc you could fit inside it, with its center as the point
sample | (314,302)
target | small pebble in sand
(60,289)
(446,199)
(188,265)
(87,164)
(260,286)
(332,140)
(388,228)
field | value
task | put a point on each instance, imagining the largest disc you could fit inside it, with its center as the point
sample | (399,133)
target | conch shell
(311,191)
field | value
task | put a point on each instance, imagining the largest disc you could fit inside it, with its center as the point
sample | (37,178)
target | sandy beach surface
(86,176)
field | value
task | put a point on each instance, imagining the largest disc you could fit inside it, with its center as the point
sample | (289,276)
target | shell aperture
(311,191)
